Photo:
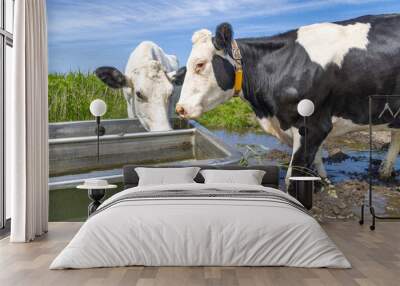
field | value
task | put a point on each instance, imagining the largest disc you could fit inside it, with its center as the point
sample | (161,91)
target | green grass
(234,115)
(70,96)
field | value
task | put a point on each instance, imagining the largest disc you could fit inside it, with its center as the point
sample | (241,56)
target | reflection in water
(250,138)
(355,167)
(72,204)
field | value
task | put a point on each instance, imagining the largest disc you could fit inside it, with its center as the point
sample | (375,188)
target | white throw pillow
(247,177)
(166,176)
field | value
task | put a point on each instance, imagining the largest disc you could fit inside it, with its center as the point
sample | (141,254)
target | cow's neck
(256,85)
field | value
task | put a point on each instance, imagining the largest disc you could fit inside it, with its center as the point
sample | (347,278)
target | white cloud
(102,19)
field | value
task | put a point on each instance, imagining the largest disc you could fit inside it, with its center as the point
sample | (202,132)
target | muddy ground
(342,199)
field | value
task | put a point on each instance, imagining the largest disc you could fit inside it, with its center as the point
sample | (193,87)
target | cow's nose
(180,110)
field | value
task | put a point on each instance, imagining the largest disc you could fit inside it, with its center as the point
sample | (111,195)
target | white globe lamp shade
(98,107)
(305,107)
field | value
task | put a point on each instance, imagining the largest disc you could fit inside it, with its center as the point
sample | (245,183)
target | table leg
(96,196)
(304,193)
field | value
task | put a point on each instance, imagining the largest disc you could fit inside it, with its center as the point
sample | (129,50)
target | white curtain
(27,124)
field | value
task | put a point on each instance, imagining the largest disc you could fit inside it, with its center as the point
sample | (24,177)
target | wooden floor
(375,257)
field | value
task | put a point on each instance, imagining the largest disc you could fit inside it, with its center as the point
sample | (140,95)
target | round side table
(303,190)
(96,194)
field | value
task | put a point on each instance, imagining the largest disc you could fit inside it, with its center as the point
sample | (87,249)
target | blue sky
(85,34)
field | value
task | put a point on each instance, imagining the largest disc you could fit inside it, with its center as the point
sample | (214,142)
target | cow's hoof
(385,175)
(385,172)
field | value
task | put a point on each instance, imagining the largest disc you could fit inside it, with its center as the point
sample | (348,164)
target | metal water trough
(73,148)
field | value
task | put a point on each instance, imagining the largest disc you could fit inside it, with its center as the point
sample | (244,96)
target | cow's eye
(199,67)
(140,96)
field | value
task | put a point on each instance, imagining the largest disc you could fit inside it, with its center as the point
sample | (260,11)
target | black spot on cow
(224,72)
(111,77)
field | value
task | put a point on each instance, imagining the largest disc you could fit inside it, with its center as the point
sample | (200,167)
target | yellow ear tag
(238,80)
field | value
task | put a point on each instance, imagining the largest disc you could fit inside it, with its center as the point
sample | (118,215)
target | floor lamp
(304,185)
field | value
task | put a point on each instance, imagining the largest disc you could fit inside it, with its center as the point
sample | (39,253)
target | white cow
(147,84)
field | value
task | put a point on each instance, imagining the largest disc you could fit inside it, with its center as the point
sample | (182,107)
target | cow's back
(375,70)
(364,60)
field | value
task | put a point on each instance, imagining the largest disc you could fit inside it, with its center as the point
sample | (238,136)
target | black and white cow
(335,65)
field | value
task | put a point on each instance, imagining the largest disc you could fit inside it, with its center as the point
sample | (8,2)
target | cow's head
(147,88)
(210,75)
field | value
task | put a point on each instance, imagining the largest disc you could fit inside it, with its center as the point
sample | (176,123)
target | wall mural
(178,86)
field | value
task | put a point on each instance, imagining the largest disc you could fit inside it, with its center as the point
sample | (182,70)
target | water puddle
(350,175)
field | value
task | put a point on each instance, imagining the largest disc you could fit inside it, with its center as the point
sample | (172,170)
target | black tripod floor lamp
(98,108)
(369,203)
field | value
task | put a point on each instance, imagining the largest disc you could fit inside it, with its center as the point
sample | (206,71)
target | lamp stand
(305,138)
(100,131)
(98,137)
(303,132)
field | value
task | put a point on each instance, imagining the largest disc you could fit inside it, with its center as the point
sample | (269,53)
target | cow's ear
(224,72)
(179,76)
(223,37)
(112,77)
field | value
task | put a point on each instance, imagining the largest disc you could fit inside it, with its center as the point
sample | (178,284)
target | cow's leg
(386,168)
(295,146)
(319,164)
(131,114)
(316,134)
(130,105)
